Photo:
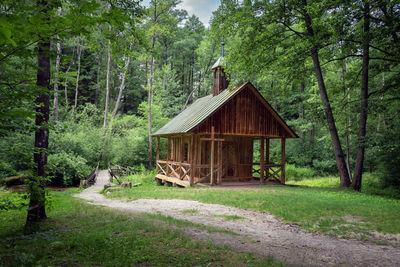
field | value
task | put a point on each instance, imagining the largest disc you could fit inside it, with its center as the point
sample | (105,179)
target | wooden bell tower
(220,81)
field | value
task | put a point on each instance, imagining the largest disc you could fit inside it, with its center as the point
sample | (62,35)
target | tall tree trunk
(107,83)
(362,131)
(337,147)
(66,86)
(378,126)
(36,210)
(77,79)
(55,106)
(96,97)
(302,112)
(122,86)
(149,100)
(66,80)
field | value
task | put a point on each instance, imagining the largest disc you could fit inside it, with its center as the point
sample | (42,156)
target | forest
(86,83)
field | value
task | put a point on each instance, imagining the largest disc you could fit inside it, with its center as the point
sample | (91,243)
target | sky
(201,8)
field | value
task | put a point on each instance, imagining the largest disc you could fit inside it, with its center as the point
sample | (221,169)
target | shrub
(388,158)
(325,166)
(67,169)
(131,149)
(299,173)
(6,170)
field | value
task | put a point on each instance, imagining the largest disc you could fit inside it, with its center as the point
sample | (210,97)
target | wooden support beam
(158,152)
(181,156)
(212,156)
(213,140)
(168,148)
(219,177)
(262,165)
(192,155)
(168,153)
(283,160)
(266,150)
(267,157)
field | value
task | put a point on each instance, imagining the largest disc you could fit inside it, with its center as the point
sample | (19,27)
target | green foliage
(6,170)
(388,158)
(372,185)
(292,172)
(12,201)
(67,169)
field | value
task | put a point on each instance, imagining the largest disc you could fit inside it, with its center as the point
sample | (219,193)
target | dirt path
(260,233)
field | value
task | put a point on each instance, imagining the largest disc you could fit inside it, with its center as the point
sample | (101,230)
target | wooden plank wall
(237,154)
(243,115)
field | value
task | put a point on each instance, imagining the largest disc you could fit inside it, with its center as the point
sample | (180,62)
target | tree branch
(300,34)
(341,58)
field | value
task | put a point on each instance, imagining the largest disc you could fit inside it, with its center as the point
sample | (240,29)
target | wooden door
(229,163)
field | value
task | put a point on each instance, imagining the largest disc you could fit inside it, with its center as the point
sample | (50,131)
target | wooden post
(213,140)
(158,153)
(192,152)
(168,154)
(262,160)
(219,178)
(283,160)
(212,156)
(181,157)
(267,157)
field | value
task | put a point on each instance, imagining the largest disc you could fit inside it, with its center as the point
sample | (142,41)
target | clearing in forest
(256,232)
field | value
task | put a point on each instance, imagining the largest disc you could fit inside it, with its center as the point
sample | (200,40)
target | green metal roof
(197,112)
(220,63)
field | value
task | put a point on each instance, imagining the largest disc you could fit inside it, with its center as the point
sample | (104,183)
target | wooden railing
(194,173)
(271,171)
(174,169)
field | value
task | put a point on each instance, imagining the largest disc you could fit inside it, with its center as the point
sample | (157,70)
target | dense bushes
(295,173)
(77,145)
(388,159)
(67,169)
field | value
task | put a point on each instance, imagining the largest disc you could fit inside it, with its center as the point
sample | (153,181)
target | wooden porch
(196,159)
(177,173)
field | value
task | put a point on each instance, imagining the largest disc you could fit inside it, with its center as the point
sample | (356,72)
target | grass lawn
(325,208)
(79,234)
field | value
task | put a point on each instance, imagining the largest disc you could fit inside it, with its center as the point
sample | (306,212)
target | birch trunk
(122,86)
(65,86)
(55,105)
(96,99)
(149,104)
(79,50)
(107,83)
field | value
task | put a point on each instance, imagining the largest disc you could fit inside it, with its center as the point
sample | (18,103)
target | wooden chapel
(212,140)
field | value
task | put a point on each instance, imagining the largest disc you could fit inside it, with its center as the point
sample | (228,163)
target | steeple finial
(222,43)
